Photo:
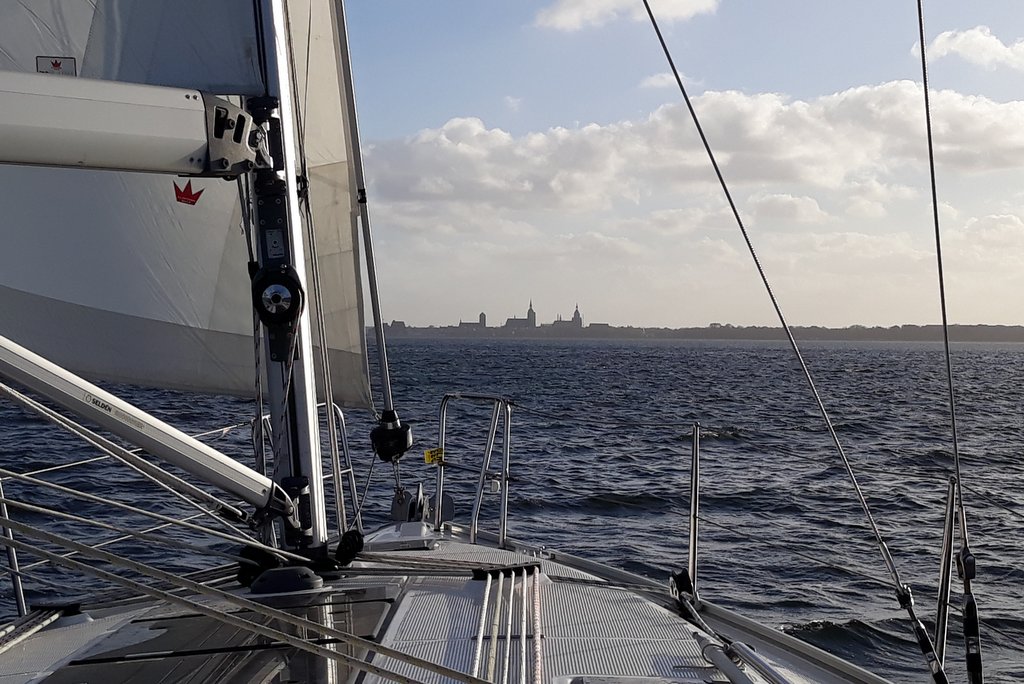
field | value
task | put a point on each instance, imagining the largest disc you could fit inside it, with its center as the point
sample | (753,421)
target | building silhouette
(522,323)
(575,323)
(480,325)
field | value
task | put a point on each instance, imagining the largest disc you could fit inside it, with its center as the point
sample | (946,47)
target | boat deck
(571,625)
(490,614)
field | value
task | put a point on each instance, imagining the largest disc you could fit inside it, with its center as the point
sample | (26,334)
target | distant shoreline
(899,333)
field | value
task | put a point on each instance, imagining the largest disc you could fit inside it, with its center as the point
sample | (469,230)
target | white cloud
(785,209)
(667,223)
(595,243)
(663,80)
(610,211)
(947,212)
(868,199)
(981,238)
(978,46)
(513,103)
(573,15)
(667,80)
(863,140)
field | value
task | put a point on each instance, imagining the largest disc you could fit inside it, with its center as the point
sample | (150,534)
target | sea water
(601,443)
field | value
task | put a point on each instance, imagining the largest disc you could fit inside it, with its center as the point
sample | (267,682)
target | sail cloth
(141,278)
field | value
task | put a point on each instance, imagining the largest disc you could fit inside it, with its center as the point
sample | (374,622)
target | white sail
(332,191)
(141,278)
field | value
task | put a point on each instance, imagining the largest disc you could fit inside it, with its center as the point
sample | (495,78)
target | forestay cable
(903,592)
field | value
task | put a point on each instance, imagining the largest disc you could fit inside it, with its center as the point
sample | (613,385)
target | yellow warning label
(433,456)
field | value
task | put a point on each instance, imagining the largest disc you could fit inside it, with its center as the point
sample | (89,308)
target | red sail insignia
(185,195)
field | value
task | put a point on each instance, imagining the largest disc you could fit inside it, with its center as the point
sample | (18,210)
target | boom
(85,123)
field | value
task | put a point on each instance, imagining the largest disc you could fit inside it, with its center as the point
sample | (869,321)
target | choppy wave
(601,453)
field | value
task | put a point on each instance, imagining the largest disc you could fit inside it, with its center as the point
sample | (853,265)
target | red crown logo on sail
(185,195)
(56,64)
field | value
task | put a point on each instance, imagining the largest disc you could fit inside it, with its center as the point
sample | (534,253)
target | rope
(475,670)
(492,652)
(523,612)
(506,663)
(538,648)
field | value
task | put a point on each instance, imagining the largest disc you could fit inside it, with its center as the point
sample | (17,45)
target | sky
(539,150)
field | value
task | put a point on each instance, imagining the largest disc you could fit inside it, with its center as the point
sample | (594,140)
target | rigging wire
(232,619)
(366,487)
(245,605)
(281,433)
(359,185)
(314,270)
(902,590)
(117,540)
(965,559)
(259,437)
(569,414)
(816,559)
(177,487)
(992,500)
(128,533)
(245,541)
(938,259)
(819,560)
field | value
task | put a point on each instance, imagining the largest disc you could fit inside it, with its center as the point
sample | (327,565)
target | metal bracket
(236,145)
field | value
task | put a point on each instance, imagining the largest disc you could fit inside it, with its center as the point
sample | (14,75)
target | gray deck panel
(469,553)
(587,629)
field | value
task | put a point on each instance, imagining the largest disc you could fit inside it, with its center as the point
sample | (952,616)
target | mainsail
(139,278)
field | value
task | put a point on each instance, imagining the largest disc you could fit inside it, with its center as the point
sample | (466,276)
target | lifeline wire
(233,599)
(117,540)
(9,474)
(226,618)
(133,534)
(902,590)
(177,487)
